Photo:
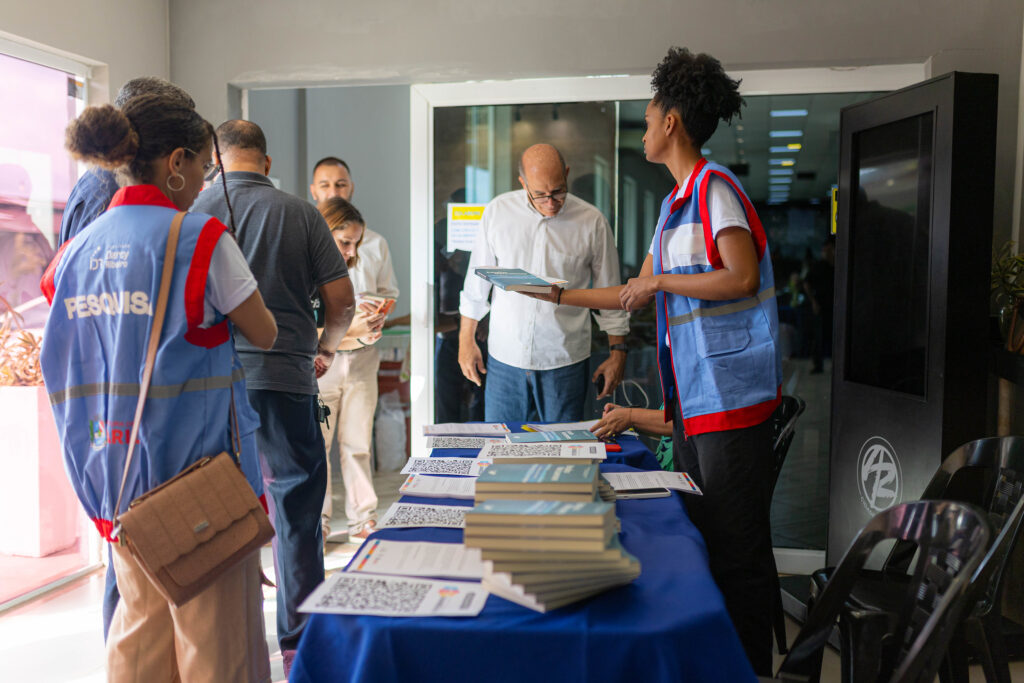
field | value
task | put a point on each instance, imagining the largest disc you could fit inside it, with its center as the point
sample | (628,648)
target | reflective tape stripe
(735,307)
(155,390)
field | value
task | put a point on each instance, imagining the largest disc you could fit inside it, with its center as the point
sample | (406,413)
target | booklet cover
(517,280)
(538,477)
(541,512)
(575,435)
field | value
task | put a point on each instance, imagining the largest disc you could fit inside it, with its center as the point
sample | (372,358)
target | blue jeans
(516,395)
(293,461)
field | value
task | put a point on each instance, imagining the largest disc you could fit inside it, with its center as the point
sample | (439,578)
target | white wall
(129,37)
(373,42)
(366,126)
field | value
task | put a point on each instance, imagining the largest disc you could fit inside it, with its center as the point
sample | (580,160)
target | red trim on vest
(756,229)
(263,502)
(737,418)
(195,289)
(141,194)
(710,248)
(688,190)
(46,284)
(106,529)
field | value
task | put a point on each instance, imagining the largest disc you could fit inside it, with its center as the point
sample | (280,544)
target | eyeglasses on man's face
(556,197)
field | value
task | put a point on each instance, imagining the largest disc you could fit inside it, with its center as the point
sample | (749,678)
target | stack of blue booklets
(544,553)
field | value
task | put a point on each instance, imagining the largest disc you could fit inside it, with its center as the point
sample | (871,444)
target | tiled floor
(800,502)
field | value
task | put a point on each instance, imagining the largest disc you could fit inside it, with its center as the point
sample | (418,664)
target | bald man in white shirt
(537,365)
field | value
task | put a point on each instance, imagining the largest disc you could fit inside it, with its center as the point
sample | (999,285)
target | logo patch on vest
(113,256)
(108,303)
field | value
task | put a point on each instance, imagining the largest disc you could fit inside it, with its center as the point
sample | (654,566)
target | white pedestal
(37,503)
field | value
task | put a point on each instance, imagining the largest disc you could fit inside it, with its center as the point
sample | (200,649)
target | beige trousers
(217,636)
(349,388)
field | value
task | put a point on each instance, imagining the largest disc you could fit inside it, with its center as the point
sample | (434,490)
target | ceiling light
(777,113)
(780,181)
(781,162)
(780,149)
(785,133)
(788,162)
(739,126)
(705,151)
(739,141)
(795,145)
(780,171)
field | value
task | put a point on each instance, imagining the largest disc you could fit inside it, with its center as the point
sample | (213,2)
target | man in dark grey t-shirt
(293,256)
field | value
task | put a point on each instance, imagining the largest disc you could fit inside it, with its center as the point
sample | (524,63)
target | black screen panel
(889,255)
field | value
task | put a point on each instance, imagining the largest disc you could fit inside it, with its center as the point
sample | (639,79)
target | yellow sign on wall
(463,222)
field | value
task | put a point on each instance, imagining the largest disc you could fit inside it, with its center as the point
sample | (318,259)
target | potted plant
(1008,294)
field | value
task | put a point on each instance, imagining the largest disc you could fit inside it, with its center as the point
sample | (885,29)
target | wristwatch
(619,347)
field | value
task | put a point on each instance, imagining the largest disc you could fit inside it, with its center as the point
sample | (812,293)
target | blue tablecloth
(668,625)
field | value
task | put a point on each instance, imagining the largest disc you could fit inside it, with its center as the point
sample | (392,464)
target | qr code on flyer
(415,515)
(461,466)
(363,594)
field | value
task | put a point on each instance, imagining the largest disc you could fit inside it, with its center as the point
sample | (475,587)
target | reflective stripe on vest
(155,390)
(734,307)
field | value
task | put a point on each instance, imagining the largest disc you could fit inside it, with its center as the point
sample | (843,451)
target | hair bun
(102,135)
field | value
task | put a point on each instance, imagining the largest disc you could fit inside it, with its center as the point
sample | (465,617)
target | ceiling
(747,140)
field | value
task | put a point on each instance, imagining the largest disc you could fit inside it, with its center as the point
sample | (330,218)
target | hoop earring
(180,187)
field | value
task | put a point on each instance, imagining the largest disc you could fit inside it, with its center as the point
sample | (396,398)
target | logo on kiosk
(879,475)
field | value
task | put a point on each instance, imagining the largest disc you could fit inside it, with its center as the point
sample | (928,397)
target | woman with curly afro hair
(709,274)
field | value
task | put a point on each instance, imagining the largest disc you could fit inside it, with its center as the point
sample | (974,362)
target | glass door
(44,536)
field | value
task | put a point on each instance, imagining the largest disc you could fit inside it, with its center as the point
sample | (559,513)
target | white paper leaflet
(466,429)
(465,467)
(439,487)
(418,515)
(395,596)
(595,451)
(627,481)
(418,558)
(461,441)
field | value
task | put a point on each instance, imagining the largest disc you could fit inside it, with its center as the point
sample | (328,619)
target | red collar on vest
(677,202)
(141,194)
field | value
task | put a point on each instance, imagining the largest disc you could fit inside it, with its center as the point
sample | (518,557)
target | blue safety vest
(719,358)
(103,287)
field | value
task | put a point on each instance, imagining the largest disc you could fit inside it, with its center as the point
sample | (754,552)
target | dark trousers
(110,594)
(456,399)
(734,468)
(293,461)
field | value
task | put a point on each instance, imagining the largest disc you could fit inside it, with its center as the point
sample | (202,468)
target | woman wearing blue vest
(103,285)
(710,276)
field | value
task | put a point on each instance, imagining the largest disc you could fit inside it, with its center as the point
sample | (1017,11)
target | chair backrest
(988,473)
(783,425)
(952,538)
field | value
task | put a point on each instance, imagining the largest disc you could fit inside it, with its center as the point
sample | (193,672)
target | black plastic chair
(910,641)
(783,426)
(990,474)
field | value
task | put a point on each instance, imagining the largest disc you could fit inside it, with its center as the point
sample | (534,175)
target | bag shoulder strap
(154,342)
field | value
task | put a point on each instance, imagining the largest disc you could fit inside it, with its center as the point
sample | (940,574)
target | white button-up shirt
(373,272)
(574,245)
